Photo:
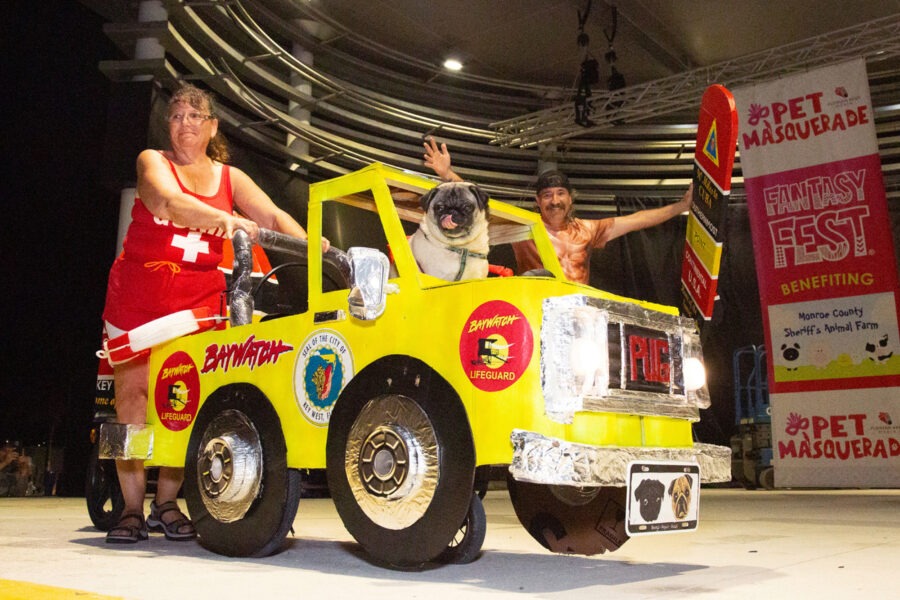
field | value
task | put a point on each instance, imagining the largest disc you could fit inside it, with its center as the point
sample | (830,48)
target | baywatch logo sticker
(177,393)
(324,366)
(495,346)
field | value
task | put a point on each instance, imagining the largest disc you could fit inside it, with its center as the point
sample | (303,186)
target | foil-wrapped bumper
(539,459)
(125,442)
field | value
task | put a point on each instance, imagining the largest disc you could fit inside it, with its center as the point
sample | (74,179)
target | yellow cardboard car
(408,389)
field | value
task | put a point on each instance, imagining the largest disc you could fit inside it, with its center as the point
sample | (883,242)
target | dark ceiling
(375,85)
(536,41)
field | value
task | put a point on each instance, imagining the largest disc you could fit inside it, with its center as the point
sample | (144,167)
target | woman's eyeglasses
(192,118)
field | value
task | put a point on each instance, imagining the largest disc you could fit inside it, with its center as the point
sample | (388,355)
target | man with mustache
(573,238)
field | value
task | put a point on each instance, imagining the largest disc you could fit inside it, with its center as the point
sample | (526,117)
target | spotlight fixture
(453,64)
(616,80)
(588,75)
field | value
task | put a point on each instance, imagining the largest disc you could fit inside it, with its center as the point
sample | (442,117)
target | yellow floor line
(22,590)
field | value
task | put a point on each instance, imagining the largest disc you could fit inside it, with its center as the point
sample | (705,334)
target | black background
(60,224)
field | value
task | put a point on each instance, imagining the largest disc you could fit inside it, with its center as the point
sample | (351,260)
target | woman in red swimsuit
(184,209)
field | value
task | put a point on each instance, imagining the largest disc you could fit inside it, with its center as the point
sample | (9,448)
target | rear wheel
(102,491)
(240,494)
(401,461)
(466,544)
(767,478)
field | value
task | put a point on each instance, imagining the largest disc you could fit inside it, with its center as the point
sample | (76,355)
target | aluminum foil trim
(369,270)
(122,441)
(643,404)
(576,362)
(539,459)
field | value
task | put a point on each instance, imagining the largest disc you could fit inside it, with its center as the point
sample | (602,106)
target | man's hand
(438,160)
(685,203)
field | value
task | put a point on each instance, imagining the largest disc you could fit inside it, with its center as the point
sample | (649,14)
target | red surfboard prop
(717,130)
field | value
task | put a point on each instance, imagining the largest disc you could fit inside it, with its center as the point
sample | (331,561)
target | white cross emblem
(191,244)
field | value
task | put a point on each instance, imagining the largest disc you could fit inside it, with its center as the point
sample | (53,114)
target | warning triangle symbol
(711,148)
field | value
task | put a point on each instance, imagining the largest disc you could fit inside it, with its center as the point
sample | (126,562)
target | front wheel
(569,519)
(239,491)
(401,461)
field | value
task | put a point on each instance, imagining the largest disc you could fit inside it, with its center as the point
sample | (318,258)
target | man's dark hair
(553,178)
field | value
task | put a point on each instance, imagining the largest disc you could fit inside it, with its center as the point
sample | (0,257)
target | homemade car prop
(407,390)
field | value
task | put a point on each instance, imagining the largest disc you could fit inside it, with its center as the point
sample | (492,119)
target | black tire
(401,461)
(571,520)
(240,493)
(102,492)
(767,478)
(466,546)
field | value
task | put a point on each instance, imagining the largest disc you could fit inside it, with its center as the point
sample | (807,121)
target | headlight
(694,371)
(574,355)
(588,350)
(586,357)
(694,374)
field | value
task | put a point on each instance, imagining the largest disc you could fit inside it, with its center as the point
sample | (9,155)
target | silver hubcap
(229,466)
(392,461)
(384,462)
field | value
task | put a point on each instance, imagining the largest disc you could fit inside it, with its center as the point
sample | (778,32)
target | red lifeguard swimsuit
(165,268)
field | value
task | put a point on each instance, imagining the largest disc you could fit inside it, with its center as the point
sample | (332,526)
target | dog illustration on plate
(680,491)
(649,495)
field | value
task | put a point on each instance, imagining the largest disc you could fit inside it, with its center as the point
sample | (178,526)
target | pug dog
(680,491)
(452,240)
(649,495)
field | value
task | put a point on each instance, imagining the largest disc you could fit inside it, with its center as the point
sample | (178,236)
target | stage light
(616,80)
(453,64)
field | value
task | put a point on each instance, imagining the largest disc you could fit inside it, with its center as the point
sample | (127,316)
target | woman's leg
(168,484)
(131,408)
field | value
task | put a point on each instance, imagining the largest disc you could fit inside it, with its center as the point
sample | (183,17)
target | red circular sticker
(495,345)
(177,393)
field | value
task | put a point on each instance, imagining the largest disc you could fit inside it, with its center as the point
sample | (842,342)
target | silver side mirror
(369,270)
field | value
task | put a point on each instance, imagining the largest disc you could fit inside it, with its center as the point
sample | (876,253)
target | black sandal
(179,529)
(130,529)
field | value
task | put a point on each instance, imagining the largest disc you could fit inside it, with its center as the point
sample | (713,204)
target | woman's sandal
(130,529)
(179,529)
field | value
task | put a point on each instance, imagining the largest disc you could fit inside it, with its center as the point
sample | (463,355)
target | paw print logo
(757,113)
(795,423)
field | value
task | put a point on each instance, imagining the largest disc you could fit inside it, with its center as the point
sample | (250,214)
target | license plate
(663,497)
(647,359)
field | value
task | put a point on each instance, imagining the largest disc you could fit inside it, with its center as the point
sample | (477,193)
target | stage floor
(749,544)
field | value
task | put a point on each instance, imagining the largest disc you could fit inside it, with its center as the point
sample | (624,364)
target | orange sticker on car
(495,345)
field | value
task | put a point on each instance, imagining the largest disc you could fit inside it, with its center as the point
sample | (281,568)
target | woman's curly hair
(203,101)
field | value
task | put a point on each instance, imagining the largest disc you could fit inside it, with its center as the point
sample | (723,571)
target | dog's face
(680,491)
(455,208)
(649,495)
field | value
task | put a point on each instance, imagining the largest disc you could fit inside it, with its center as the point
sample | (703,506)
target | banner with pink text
(827,277)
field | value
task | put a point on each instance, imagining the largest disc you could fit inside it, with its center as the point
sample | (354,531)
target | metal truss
(875,40)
